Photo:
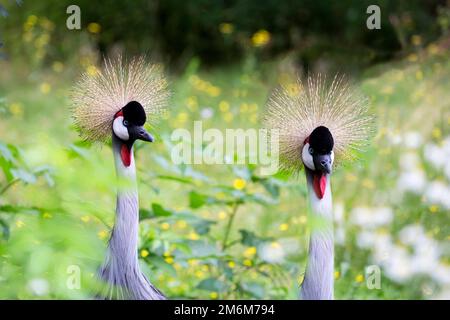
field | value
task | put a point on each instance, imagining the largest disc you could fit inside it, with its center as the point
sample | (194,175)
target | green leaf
(202,226)
(260,198)
(20,209)
(159,211)
(24,176)
(271,188)
(160,264)
(255,289)
(145,214)
(212,284)
(250,239)
(197,200)
(5,229)
(175,178)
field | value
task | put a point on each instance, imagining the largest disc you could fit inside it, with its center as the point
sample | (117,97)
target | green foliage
(218,32)
(14,170)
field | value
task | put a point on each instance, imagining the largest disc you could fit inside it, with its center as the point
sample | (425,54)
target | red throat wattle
(125,154)
(319,184)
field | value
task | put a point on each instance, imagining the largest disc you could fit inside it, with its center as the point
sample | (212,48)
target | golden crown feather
(98,96)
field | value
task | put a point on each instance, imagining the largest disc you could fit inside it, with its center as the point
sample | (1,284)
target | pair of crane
(314,125)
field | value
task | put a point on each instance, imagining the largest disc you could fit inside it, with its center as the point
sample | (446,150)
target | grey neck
(121,268)
(124,239)
(318,282)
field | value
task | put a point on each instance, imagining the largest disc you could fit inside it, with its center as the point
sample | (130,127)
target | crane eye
(125,123)
(311,151)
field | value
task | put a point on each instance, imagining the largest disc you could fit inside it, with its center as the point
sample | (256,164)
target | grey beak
(322,162)
(143,135)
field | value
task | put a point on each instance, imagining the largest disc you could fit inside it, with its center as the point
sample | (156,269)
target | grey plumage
(296,111)
(318,281)
(121,272)
(96,101)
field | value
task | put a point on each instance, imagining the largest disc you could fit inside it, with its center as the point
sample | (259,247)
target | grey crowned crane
(114,104)
(315,124)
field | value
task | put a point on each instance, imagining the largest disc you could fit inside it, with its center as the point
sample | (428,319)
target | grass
(182,251)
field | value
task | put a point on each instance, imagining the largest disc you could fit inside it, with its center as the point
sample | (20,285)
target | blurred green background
(221,232)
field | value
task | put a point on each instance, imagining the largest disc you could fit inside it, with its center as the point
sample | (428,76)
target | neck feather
(125,234)
(318,281)
(121,268)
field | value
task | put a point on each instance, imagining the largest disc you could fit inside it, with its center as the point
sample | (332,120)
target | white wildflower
(272,252)
(38,286)
(413,139)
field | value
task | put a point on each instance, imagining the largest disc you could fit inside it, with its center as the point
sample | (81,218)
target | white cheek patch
(119,129)
(332,157)
(307,157)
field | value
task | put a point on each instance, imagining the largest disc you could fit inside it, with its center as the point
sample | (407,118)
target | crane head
(318,157)
(128,123)
(317,152)
(124,89)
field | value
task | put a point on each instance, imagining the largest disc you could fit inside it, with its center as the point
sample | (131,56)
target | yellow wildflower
(224,106)
(16,109)
(433,49)
(92,70)
(239,184)
(247,262)
(434,208)
(284,227)
(20,223)
(387,90)
(228,117)
(226,28)
(437,133)
(260,38)
(369,184)
(416,40)
(192,103)
(182,117)
(165,226)
(94,27)
(222,215)
(103,234)
(181,224)
(45,87)
(359,278)
(57,66)
(214,295)
(213,91)
(303,219)
(169,260)
(193,236)
(413,57)
(275,245)
(144,253)
(337,274)
(243,107)
(419,75)
(250,252)
(253,107)
(85,219)
(193,262)
(231,264)
(47,215)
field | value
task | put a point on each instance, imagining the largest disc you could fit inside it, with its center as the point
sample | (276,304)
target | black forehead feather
(321,140)
(134,113)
